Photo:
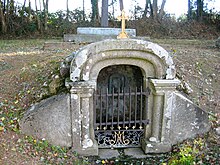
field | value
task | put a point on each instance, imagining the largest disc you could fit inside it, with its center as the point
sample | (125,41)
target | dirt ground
(25,68)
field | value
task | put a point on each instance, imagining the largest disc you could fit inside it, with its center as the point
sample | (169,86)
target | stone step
(90,38)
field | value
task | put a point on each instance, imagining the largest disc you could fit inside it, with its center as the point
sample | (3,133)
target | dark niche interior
(120,105)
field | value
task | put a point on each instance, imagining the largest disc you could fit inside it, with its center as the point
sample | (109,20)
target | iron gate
(120,116)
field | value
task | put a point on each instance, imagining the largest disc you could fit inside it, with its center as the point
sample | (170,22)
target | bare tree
(148,8)
(154,11)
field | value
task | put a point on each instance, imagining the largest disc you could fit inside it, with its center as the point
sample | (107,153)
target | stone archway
(92,58)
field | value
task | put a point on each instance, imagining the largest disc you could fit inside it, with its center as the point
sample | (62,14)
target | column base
(155,147)
(90,151)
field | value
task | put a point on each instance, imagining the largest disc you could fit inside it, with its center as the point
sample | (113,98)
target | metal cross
(122,18)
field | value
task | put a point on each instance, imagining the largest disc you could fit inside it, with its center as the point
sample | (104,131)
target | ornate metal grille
(119,117)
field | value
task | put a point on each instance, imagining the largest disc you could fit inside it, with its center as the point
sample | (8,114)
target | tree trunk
(4,6)
(189,14)
(146,9)
(45,4)
(104,17)
(151,9)
(23,7)
(199,10)
(84,18)
(29,11)
(67,10)
(121,5)
(113,9)
(161,12)
(12,7)
(3,22)
(7,12)
(155,9)
(95,12)
(37,16)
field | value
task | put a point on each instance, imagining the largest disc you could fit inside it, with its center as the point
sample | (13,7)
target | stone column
(83,141)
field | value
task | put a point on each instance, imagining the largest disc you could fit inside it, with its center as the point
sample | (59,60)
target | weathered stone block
(49,119)
(188,120)
(158,147)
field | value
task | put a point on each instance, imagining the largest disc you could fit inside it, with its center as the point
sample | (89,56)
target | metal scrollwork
(119,138)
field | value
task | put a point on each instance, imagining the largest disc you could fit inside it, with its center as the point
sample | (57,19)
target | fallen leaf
(1,128)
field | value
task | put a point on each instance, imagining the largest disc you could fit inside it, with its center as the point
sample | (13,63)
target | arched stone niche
(154,62)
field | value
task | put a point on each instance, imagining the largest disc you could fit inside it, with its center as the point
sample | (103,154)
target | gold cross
(122,18)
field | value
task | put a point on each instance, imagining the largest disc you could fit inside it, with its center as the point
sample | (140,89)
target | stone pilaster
(157,114)
(159,140)
(82,116)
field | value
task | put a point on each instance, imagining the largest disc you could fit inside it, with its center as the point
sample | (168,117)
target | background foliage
(23,20)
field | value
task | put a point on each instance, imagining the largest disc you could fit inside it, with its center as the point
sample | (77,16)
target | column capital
(160,86)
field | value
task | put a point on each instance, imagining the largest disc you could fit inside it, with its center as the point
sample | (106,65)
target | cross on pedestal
(122,18)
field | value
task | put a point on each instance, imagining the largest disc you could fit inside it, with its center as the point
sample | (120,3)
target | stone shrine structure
(138,102)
